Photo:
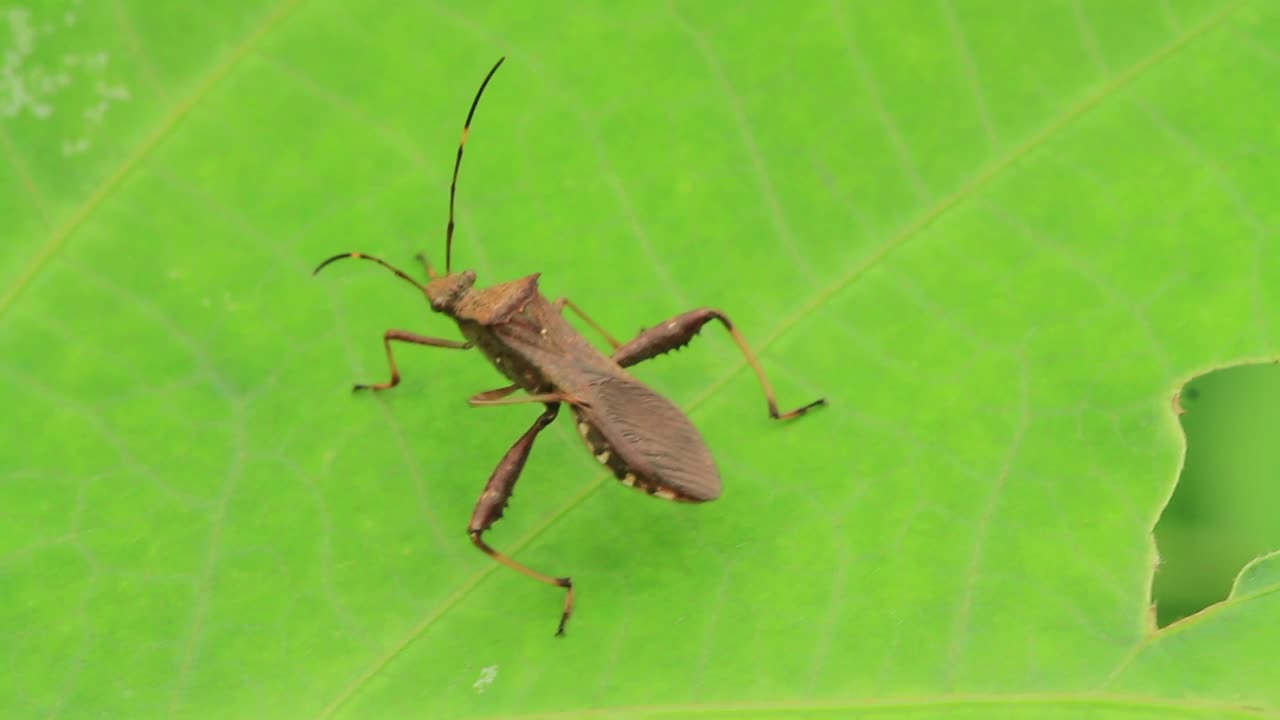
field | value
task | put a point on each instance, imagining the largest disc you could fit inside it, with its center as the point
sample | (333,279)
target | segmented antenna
(453,184)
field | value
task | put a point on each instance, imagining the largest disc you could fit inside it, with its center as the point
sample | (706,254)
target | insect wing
(654,438)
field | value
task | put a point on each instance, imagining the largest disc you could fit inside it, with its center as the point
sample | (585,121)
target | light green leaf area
(998,237)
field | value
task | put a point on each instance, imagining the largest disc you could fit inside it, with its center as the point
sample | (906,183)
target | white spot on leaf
(487,676)
(38,79)
(115,93)
(74,147)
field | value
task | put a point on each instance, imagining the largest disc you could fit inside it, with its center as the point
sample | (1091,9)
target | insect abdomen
(609,456)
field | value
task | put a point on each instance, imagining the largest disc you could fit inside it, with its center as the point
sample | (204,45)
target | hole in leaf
(1223,511)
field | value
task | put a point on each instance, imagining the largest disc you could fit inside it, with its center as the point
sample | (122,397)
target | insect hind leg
(680,330)
(492,502)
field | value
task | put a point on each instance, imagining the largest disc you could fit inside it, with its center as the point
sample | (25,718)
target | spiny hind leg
(680,330)
(494,500)
(405,336)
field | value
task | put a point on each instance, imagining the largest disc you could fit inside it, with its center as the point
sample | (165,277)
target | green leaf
(997,237)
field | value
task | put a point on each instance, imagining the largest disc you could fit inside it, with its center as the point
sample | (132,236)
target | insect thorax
(516,367)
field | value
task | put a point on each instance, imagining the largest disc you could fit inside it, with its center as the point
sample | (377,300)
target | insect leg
(678,331)
(407,337)
(491,395)
(499,397)
(560,304)
(494,500)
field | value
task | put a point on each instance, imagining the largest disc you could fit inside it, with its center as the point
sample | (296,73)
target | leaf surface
(997,238)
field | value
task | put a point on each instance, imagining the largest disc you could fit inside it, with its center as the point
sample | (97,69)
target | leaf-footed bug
(645,440)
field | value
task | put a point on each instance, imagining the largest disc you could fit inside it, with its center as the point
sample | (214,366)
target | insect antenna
(453,185)
(361,256)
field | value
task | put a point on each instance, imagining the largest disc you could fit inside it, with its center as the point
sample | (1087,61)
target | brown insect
(645,440)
